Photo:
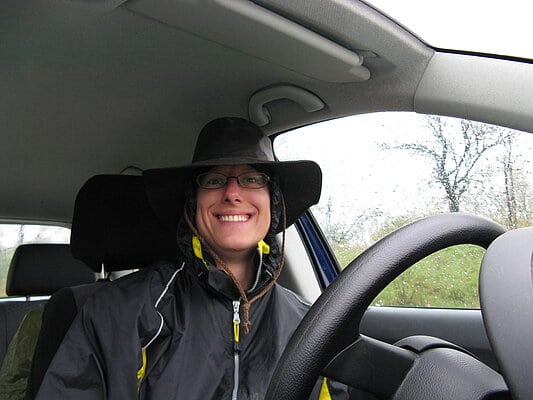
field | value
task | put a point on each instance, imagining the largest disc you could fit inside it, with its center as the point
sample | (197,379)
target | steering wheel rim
(333,321)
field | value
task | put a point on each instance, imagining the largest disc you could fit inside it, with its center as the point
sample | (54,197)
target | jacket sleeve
(76,370)
(99,356)
(17,362)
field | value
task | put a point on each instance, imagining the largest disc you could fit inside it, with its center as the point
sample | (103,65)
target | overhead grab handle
(260,115)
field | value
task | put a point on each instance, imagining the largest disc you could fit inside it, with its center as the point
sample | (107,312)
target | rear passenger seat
(36,270)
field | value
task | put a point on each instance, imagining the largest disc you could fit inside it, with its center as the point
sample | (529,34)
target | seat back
(113,226)
(36,270)
(42,269)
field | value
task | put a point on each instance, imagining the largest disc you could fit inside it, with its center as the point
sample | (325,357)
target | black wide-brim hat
(233,141)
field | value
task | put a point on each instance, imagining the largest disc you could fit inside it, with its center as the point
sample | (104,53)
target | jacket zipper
(236,348)
(236,331)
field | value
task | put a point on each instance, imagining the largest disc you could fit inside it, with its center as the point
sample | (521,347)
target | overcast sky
(489,26)
(9,234)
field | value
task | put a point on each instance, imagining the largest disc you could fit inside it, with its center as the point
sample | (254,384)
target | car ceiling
(92,87)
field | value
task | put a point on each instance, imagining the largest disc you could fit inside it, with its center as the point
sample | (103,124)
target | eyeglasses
(248,180)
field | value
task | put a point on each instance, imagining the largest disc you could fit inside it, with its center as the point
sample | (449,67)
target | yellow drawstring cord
(324,391)
(197,249)
(263,247)
(142,371)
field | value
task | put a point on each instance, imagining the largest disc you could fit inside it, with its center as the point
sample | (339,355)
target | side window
(383,170)
(12,235)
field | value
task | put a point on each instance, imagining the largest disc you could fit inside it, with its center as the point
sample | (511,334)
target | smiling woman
(233,218)
(227,267)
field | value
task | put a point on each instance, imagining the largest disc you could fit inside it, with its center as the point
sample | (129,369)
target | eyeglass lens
(249,180)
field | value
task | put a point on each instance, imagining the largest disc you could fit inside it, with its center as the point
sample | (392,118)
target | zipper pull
(236,324)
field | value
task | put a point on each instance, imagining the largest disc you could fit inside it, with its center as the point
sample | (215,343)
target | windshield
(493,27)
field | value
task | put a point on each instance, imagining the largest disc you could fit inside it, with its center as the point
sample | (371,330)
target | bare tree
(516,190)
(21,234)
(509,183)
(343,227)
(454,153)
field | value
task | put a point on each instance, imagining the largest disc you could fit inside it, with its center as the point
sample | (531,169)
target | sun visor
(253,30)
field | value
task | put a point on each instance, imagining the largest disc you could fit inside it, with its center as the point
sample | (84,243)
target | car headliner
(93,87)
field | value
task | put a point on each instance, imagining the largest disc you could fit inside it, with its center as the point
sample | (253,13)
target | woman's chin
(236,247)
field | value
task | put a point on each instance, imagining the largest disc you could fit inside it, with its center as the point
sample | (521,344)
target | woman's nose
(232,190)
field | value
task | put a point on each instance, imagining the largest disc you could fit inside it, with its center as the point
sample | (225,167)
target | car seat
(113,229)
(36,270)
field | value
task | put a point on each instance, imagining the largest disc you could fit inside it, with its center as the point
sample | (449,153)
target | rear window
(13,235)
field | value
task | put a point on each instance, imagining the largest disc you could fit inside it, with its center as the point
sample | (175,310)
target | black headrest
(42,269)
(114,224)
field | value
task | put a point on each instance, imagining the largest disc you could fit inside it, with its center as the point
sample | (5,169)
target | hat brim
(300,181)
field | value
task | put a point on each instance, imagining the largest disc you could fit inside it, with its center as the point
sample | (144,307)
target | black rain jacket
(184,321)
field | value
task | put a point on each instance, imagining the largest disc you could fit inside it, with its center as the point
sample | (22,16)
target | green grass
(448,278)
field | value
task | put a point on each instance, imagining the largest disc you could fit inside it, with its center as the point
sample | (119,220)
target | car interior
(97,92)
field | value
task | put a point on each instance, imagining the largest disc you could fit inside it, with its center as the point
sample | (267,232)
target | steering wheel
(328,343)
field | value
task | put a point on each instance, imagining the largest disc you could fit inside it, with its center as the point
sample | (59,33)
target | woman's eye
(211,180)
(215,181)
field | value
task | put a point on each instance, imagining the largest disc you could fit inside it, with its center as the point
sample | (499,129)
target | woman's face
(233,219)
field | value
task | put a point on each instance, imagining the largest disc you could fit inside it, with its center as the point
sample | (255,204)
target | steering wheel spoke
(372,366)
